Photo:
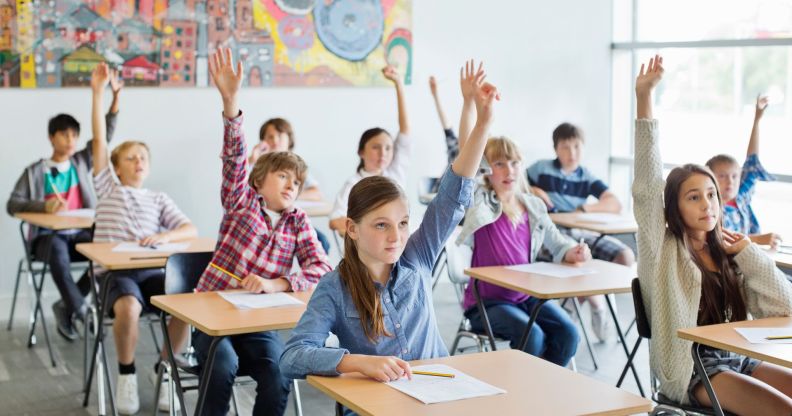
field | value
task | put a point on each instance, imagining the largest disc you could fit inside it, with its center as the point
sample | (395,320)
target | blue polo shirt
(567,190)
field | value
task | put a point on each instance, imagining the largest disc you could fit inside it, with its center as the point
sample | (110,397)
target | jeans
(256,355)
(553,337)
(62,254)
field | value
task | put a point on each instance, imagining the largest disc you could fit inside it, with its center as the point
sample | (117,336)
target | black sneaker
(63,322)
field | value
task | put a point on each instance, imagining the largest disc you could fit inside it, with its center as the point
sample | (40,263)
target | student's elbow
(190,230)
(288,364)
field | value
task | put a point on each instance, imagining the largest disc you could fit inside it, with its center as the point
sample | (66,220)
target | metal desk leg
(624,344)
(206,374)
(534,314)
(698,365)
(484,317)
(174,377)
(38,287)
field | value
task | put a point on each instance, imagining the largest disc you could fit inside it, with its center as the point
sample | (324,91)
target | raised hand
(433,85)
(100,77)
(227,80)
(761,104)
(116,83)
(470,78)
(649,76)
(486,94)
(391,74)
(734,243)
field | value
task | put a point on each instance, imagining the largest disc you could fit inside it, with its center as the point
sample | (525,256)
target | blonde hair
(499,148)
(278,161)
(115,155)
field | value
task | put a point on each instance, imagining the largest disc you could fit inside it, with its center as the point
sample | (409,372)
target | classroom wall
(551,61)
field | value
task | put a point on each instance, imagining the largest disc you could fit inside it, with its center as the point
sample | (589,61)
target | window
(719,55)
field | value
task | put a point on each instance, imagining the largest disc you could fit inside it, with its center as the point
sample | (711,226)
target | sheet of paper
(433,389)
(134,247)
(78,213)
(759,335)
(247,300)
(552,269)
(602,218)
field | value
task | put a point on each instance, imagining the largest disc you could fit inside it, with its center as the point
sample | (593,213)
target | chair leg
(297,403)
(234,400)
(158,386)
(16,290)
(154,337)
(455,344)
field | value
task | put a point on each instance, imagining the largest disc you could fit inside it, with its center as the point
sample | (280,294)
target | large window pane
(685,20)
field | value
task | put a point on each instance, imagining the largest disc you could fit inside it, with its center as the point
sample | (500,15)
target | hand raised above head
(649,76)
(227,79)
(100,77)
(469,79)
(391,74)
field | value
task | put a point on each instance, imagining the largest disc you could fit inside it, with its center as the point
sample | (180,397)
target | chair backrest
(183,270)
(641,321)
(458,258)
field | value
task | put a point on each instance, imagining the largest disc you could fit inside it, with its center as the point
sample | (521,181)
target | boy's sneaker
(600,324)
(127,401)
(63,322)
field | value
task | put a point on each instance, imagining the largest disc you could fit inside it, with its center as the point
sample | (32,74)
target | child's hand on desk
(578,254)
(155,240)
(54,205)
(379,368)
(257,284)
(770,239)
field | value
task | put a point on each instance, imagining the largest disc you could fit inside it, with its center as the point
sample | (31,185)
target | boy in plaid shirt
(260,235)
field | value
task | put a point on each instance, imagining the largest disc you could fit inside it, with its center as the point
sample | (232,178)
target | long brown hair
(733,302)
(367,195)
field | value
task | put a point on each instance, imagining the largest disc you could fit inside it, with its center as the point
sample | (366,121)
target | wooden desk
(533,386)
(103,254)
(782,260)
(610,278)
(624,224)
(218,318)
(315,208)
(54,222)
(724,337)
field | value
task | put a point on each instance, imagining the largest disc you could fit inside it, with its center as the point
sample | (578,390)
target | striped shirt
(567,191)
(250,242)
(124,213)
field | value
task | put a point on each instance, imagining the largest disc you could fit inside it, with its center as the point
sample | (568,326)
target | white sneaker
(600,324)
(162,401)
(127,401)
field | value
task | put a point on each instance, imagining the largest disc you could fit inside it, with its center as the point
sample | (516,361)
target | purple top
(500,244)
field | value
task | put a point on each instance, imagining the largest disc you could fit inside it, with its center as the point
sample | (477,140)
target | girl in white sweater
(693,273)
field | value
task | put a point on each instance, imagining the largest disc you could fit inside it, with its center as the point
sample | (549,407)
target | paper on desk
(134,247)
(248,300)
(552,269)
(759,335)
(77,213)
(601,218)
(433,389)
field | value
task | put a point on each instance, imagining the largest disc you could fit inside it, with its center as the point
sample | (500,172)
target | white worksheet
(434,389)
(248,300)
(77,213)
(759,335)
(601,218)
(135,247)
(552,269)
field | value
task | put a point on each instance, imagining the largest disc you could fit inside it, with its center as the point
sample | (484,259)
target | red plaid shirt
(248,243)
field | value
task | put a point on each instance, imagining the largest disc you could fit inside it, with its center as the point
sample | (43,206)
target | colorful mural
(57,43)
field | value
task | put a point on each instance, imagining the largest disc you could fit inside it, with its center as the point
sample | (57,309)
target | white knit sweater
(671,282)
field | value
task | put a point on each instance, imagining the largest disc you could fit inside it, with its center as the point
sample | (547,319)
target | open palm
(650,75)
(227,79)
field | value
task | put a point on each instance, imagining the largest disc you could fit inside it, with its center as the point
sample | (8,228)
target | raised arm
(438,106)
(753,143)
(227,80)
(99,80)
(472,149)
(469,78)
(116,84)
(392,75)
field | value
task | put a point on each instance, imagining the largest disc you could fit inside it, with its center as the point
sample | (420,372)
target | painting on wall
(166,43)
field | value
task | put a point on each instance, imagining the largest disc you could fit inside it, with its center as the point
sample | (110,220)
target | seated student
(693,272)
(565,185)
(128,212)
(386,272)
(737,213)
(379,154)
(507,225)
(261,234)
(63,182)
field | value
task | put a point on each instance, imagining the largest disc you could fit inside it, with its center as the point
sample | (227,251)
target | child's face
(381,234)
(276,141)
(569,153)
(377,154)
(505,174)
(64,142)
(698,203)
(728,176)
(279,189)
(133,166)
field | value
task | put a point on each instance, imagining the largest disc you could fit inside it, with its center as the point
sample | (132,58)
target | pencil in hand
(225,271)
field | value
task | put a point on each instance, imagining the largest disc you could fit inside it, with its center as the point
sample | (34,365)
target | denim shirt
(406,299)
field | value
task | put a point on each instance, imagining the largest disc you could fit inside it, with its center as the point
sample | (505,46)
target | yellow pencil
(430,373)
(774,337)
(57,191)
(225,271)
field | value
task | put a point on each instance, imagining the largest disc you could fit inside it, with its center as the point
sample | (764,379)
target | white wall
(551,61)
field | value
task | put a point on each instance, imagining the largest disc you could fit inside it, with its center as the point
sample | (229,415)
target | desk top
(723,336)
(610,278)
(315,208)
(533,386)
(55,222)
(102,254)
(621,225)
(215,316)
(783,260)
